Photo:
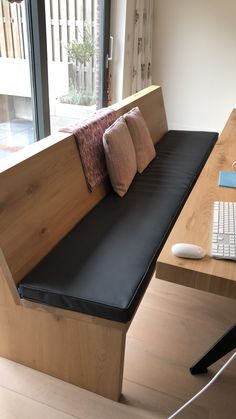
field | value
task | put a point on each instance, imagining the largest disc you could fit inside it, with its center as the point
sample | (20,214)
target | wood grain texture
(29,394)
(41,200)
(14,405)
(195,223)
(7,279)
(173,327)
(151,104)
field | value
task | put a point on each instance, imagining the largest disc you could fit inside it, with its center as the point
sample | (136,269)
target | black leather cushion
(103,266)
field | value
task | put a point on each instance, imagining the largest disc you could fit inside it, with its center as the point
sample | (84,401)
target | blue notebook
(227,179)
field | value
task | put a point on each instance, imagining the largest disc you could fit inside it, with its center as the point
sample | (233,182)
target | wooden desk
(194,225)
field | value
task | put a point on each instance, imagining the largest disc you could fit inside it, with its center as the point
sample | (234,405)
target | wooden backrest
(43,192)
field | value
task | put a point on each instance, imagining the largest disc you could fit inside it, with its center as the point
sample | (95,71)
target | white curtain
(142,47)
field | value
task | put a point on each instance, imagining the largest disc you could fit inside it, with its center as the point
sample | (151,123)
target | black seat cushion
(103,266)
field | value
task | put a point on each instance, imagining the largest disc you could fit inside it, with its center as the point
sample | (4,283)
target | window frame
(36,26)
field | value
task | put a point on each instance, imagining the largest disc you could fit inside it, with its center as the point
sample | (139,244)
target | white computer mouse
(187,250)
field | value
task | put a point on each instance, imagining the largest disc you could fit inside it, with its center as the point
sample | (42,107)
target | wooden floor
(172,328)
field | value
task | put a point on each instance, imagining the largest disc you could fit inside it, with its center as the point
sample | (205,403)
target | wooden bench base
(43,195)
(77,348)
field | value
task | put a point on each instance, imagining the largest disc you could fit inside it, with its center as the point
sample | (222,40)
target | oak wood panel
(87,353)
(151,104)
(55,311)
(195,222)
(41,199)
(6,277)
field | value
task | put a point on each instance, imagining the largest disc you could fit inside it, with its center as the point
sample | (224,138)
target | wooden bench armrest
(6,276)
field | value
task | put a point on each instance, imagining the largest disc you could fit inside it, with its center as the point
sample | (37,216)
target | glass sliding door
(75,46)
(35,13)
(16,105)
(106,52)
(53,63)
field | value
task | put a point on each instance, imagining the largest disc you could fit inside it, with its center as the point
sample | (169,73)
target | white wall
(194,60)
(117,30)
(128,52)
(122,18)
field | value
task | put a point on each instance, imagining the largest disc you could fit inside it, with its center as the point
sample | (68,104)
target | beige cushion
(143,144)
(120,156)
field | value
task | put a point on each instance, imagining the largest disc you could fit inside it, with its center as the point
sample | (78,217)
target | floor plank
(15,405)
(155,401)
(174,326)
(26,385)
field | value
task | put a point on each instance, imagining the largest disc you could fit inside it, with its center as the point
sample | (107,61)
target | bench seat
(103,266)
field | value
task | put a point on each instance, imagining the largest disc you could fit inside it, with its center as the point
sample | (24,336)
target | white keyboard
(224,230)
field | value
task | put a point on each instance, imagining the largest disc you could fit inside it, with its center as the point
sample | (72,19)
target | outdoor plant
(80,52)
(78,97)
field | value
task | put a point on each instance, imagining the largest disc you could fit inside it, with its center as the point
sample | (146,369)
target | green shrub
(80,53)
(75,97)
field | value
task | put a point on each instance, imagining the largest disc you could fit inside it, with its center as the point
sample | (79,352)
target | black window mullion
(104,49)
(35,11)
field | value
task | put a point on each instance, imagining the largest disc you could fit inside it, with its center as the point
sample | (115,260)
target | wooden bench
(43,196)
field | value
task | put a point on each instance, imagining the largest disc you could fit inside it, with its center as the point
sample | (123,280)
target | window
(16,107)
(65,42)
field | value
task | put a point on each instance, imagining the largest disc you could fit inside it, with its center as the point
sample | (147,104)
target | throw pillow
(120,156)
(143,144)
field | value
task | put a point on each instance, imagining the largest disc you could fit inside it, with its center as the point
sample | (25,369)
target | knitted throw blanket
(88,135)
